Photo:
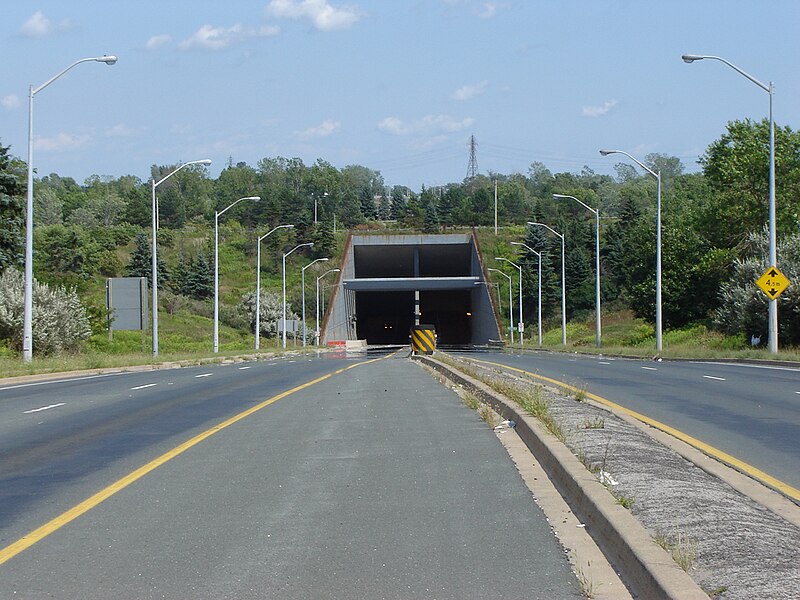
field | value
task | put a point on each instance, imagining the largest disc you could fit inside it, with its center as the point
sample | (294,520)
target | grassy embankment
(186,327)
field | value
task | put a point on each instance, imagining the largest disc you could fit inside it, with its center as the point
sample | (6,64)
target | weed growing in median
(595,423)
(586,583)
(681,547)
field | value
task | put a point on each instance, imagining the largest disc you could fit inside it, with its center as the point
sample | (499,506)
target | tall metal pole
(154,261)
(316,336)
(598,331)
(657,175)
(284,286)
(216,266)
(520,326)
(773,252)
(510,303)
(258,281)
(303,286)
(539,281)
(563,282)
(495,206)
(27,310)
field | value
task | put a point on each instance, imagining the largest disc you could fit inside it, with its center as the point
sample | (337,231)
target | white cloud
(218,38)
(326,128)
(38,25)
(470,91)
(321,13)
(120,130)
(62,142)
(489,10)
(157,41)
(10,102)
(426,125)
(599,111)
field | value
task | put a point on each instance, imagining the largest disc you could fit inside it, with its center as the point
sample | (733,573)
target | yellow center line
(42,532)
(754,472)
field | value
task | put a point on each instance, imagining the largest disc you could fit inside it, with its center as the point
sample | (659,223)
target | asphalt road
(750,412)
(375,482)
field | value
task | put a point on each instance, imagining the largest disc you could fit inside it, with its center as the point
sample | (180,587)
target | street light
(216,267)
(258,280)
(596,262)
(510,303)
(539,281)
(316,336)
(154,263)
(314,196)
(657,175)
(27,318)
(773,253)
(563,284)
(284,285)
(303,286)
(521,326)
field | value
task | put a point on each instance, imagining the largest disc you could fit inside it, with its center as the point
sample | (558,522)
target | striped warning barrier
(423,339)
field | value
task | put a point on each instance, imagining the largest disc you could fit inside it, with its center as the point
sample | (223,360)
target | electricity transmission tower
(472,168)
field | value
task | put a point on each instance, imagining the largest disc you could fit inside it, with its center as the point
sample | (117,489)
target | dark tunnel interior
(387,317)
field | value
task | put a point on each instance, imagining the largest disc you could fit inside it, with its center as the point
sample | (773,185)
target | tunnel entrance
(380,275)
(384,317)
(387,317)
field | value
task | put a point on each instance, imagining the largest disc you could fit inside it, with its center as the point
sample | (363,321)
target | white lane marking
(35,410)
(714,378)
(49,381)
(650,368)
(603,363)
(203,375)
(243,368)
(146,385)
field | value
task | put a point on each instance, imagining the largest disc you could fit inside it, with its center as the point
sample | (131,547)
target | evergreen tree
(141,262)
(12,214)
(200,278)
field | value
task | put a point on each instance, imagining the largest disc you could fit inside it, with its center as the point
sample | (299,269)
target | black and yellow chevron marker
(423,339)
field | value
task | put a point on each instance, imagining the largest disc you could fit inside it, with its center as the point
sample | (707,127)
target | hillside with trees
(713,233)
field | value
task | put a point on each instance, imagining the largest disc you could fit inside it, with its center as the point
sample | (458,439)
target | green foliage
(141,262)
(59,322)
(12,215)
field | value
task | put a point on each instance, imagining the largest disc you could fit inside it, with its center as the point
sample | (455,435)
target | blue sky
(397,86)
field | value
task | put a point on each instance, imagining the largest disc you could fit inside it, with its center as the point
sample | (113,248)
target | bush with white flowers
(59,321)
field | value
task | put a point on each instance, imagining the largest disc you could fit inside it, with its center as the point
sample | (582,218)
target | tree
(141,262)
(48,209)
(12,214)
(736,167)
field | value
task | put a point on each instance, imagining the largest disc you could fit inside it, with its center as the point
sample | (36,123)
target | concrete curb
(645,567)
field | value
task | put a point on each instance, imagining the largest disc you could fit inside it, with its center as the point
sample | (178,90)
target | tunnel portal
(384,277)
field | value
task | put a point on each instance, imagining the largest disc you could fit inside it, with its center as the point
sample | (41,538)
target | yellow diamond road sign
(773,282)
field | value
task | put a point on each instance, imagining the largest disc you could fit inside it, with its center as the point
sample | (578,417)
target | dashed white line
(243,368)
(603,363)
(35,410)
(650,368)
(146,385)
(714,378)
(203,375)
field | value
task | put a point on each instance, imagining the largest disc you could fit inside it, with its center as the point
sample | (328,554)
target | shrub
(60,322)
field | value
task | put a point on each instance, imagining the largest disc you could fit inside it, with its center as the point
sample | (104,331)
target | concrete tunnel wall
(373,299)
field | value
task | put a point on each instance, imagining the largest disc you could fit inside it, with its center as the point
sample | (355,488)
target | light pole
(521,326)
(539,282)
(284,285)
(657,175)
(216,266)
(773,253)
(314,196)
(258,280)
(316,336)
(154,263)
(27,317)
(303,286)
(596,262)
(563,284)
(510,303)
